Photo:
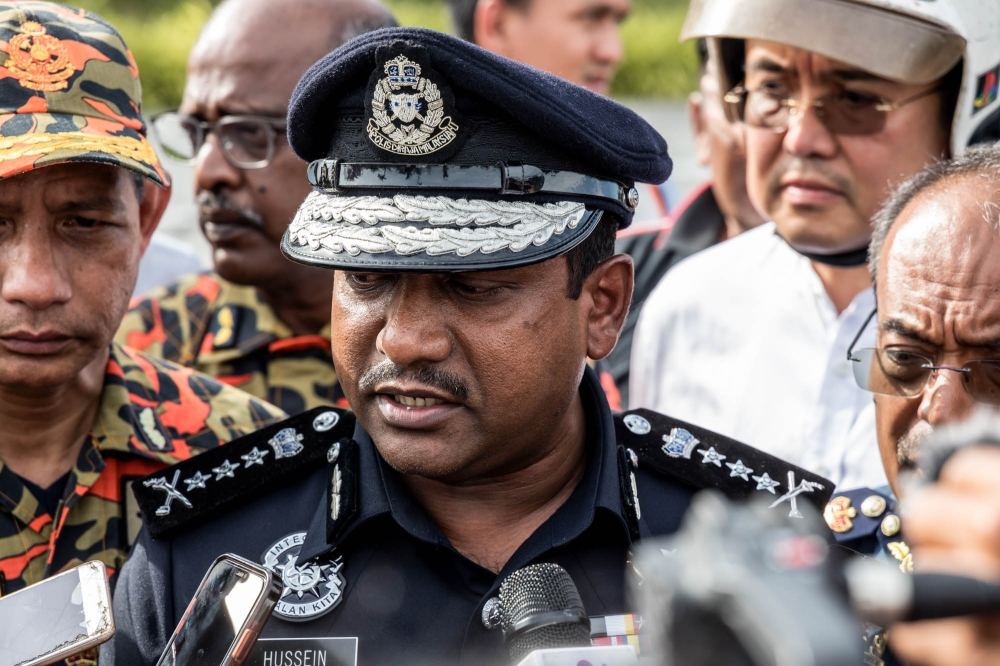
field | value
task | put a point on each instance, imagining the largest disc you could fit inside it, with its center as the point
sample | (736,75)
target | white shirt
(743,339)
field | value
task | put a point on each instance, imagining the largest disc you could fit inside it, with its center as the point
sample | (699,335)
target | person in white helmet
(840,100)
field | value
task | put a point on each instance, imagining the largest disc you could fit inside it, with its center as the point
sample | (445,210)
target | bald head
(251,54)
(937,257)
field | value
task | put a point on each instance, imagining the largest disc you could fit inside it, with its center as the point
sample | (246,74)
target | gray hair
(979,160)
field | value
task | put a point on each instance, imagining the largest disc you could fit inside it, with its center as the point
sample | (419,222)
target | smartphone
(224,619)
(57,618)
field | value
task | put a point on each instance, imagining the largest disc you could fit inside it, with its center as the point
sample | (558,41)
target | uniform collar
(128,420)
(381,492)
(242,323)
(127,424)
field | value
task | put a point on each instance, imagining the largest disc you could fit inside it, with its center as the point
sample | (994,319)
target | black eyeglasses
(248,142)
(845,112)
(905,374)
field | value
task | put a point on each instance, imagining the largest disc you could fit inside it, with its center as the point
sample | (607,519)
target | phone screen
(41,618)
(215,618)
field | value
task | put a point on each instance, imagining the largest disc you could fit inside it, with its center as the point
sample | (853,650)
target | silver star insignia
(255,457)
(197,481)
(739,469)
(764,482)
(225,469)
(712,457)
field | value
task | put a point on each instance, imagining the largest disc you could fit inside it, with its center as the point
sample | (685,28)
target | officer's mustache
(387,371)
(210,203)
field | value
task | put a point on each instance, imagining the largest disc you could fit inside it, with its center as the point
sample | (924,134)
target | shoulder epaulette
(188,493)
(704,459)
(861,513)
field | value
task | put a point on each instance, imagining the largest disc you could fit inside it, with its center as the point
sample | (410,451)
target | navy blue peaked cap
(428,153)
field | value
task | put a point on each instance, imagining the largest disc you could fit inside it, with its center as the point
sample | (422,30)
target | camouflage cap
(69,92)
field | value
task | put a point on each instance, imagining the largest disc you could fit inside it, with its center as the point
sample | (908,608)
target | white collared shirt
(743,339)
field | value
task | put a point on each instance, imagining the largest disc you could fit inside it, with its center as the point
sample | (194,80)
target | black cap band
(503,178)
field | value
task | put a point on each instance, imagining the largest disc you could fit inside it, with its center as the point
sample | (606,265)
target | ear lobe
(154,203)
(609,288)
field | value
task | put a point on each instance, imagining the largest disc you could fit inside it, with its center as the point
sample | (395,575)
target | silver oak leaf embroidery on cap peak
(376,225)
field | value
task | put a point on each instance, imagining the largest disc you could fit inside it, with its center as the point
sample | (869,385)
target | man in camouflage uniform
(81,192)
(260,322)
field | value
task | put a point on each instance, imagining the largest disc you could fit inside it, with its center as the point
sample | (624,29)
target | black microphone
(540,608)
(884,595)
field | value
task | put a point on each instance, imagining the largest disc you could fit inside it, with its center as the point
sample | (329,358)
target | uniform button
(891,525)
(491,613)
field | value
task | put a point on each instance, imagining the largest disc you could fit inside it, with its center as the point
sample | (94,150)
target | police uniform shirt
(407,595)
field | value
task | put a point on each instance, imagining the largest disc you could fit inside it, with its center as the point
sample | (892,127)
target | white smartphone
(224,619)
(57,618)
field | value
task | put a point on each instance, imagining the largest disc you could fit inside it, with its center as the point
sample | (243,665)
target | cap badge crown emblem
(38,60)
(409,114)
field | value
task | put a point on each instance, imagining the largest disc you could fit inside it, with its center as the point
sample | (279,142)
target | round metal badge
(311,589)
(325,421)
(636,424)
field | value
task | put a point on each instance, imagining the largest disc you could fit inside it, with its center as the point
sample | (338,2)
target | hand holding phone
(224,619)
(57,618)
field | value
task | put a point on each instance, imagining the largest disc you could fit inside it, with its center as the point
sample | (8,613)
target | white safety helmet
(912,41)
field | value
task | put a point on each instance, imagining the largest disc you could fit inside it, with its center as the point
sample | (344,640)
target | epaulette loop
(188,493)
(705,459)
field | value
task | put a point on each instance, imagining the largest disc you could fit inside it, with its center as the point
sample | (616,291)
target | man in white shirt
(749,338)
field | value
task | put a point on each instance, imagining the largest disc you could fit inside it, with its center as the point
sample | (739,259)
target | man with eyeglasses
(259,322)
(935,264)
(839,100)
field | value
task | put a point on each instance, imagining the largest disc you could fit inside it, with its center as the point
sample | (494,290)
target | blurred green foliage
(161,32)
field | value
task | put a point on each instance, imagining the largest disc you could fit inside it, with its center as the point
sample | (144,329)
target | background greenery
(161,32)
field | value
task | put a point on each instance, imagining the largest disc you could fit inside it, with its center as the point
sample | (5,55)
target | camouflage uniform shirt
(227,331)
(152,414)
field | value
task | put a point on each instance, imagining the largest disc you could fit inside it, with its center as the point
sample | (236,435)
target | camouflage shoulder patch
(191,492)
(704,459)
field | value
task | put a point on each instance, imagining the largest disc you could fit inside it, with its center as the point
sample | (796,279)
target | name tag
(304,652)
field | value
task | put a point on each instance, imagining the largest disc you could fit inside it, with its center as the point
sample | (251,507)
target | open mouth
(414,407)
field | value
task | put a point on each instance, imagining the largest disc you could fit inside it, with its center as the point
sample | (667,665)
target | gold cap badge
(38,60)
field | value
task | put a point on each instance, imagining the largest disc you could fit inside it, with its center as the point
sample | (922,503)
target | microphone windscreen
(540,609)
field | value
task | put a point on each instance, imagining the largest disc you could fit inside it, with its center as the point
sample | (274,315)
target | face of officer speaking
(577,40)
(937,297)
(464,376)
(243,64)
(719,145)
(71,237)
(822,189)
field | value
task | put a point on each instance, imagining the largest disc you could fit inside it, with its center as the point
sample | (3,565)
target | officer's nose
(415,331)
(807,136)
(945,399)
(32,273)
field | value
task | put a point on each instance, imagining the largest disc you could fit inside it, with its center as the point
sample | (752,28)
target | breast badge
(311,589)
(38,60)
(410,108)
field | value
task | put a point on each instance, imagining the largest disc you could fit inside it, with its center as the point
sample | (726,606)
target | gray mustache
(209,201)
(428,376)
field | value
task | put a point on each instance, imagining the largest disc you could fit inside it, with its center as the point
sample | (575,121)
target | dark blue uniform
(390,585)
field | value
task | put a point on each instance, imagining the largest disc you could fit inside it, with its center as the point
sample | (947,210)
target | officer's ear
(608,292)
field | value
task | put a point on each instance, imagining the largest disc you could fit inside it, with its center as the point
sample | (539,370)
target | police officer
(468,205)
